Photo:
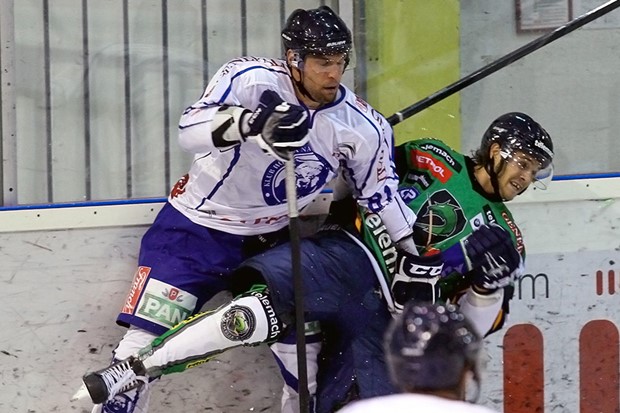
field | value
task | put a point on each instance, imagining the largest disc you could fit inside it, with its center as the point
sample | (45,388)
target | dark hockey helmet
(428,346)
(316,31)
(517,133)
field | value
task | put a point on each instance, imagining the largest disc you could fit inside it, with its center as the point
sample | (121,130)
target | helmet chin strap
(490,168)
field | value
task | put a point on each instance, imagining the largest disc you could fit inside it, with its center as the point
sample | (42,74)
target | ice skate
(117,378)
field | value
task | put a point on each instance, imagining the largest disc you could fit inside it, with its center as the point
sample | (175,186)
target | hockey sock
(246,320)
(285,353)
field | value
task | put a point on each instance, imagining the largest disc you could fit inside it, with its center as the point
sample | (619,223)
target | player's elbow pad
(227,126)
(398,219)
(482,310)
(202,130)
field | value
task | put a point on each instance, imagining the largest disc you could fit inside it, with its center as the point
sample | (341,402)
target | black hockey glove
(415,278)
(495,274)
(489,253)
(280,127)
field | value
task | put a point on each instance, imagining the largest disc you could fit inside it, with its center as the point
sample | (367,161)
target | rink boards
(66,271)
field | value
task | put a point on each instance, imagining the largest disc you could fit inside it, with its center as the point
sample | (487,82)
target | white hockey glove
(489,253)
(415,278)
(279,127)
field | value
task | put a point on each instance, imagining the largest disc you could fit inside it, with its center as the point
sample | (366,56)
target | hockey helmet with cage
(428,346)
(517,133)
(317,31)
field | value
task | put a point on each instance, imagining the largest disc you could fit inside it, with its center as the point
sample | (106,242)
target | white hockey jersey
(409,402)
(240,190)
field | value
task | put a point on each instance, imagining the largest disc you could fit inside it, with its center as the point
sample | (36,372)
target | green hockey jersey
(438,184)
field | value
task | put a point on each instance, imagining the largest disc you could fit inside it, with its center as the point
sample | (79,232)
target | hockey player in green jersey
(355,277)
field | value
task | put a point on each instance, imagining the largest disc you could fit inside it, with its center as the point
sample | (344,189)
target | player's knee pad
(251,318)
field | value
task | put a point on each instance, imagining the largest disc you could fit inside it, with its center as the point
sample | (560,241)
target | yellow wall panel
(413,51)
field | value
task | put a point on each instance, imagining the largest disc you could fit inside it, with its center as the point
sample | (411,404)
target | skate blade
(82,393)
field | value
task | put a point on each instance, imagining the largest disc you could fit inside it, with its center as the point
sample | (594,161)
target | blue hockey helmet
(317,31)
(429,346)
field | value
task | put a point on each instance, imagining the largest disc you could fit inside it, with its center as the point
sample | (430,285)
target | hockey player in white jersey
(253,115)
(432,354)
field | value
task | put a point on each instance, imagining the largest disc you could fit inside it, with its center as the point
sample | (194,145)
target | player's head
(431,348)
(516,151)
(318,45)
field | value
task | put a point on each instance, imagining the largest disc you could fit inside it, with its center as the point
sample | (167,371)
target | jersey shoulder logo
(425,161)
(408,193)
(443,154)
(311,172)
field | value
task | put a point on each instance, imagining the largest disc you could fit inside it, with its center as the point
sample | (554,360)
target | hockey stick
(300,330)
(503,61)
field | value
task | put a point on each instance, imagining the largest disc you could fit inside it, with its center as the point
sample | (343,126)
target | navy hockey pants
(342,292)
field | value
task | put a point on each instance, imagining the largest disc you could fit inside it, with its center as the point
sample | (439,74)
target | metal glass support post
(8,148)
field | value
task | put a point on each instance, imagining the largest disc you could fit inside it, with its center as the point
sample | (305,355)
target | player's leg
(337,275)
(246,320)
(352,363)
(133,402)
(324,292)
(285,353)
(167,287)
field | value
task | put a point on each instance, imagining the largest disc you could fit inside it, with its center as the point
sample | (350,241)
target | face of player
(321,76)
(518,172)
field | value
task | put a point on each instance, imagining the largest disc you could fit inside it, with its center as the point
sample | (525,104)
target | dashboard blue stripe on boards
(84,204)
(96,203)
(586,176)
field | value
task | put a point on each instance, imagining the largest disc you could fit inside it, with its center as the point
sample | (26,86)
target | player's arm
(489,263)
(374,174)
(214,121)
(490,257)
(231,113)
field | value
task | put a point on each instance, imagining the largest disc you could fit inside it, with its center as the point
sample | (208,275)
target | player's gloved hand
(279,127)
(471,251)
(489,253)
(495,274)
(415,278)
(490,240)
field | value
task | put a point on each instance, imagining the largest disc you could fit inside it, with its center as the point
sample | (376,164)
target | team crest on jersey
(311,171)
(440,217)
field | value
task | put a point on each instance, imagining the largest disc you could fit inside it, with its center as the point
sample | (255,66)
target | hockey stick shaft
(300,330)
(503,61)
